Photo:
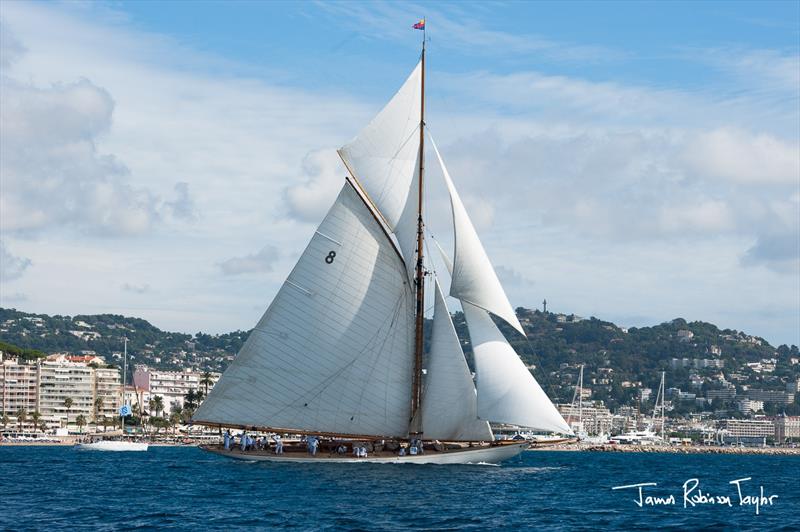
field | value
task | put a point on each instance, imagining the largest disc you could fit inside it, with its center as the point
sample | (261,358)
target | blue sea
(184,488)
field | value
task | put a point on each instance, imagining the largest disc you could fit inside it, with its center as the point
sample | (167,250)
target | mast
(580,400)
(419,276)
(124,375)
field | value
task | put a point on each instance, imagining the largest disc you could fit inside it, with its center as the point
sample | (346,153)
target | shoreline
(568,448)
(689,449)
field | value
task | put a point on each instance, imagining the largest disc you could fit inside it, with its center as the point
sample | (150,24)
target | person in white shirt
(278,443)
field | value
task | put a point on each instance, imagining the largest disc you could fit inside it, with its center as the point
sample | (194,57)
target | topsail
(474,279)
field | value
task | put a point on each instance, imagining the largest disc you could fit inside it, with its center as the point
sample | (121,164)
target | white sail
(406,228)
(334,351)
(473,277)
(383,155)
(507,392)
(449,405)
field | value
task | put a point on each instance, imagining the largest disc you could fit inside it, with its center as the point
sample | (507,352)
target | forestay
(473,278)
(334,351)
(383,155)
(449,406)
(507,392)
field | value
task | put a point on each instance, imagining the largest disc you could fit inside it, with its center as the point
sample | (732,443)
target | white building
(18,385)
(59,380)
(171,386)
(594,419)
(787,427)
(48,386)
(747,430)
(745,406)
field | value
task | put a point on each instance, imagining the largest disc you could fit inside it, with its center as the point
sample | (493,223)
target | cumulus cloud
(136,288)
(11,266)
(323,176)
(744,157)
(511,278)
(261,262)
(16,297)
(778,251)
(53,174)
(183,207)
(10,47)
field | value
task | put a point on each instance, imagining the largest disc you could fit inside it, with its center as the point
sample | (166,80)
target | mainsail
(334,351)
(474,279)
(449,406)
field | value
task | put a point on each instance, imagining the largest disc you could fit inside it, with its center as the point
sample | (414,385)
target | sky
(632,161)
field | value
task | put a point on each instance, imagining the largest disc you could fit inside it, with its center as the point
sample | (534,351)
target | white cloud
(11,266)
(260,262)
(323,177)
(744,157)
(53,173)
(599,191)
(136,288)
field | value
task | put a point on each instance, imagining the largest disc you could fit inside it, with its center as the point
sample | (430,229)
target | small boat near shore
(112,445)
(125,410)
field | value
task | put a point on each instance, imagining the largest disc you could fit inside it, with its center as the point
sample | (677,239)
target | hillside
(618,361)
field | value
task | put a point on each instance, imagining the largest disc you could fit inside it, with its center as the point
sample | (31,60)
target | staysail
(507,392)
(334,351)
(473,278)
(383,155)
(449,405)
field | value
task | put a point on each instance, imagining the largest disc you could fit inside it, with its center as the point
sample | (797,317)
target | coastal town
(709,399)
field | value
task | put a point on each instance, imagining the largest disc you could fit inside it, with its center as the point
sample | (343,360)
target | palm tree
(98,406)
(174,420)
(22,417)
(5,420)
(36,417)
(157,404)
(68,405)
(190,400)
(80,421)
(105,423)
(206,381)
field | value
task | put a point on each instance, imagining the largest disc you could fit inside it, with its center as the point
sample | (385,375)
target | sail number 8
(331,256)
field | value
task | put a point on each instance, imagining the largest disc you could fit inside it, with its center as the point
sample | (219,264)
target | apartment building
(171,386)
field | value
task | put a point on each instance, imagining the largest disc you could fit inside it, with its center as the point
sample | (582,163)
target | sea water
(184,488)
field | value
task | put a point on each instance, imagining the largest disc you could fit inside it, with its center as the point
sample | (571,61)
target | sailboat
(117,445)
(338,354)
(582,433)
